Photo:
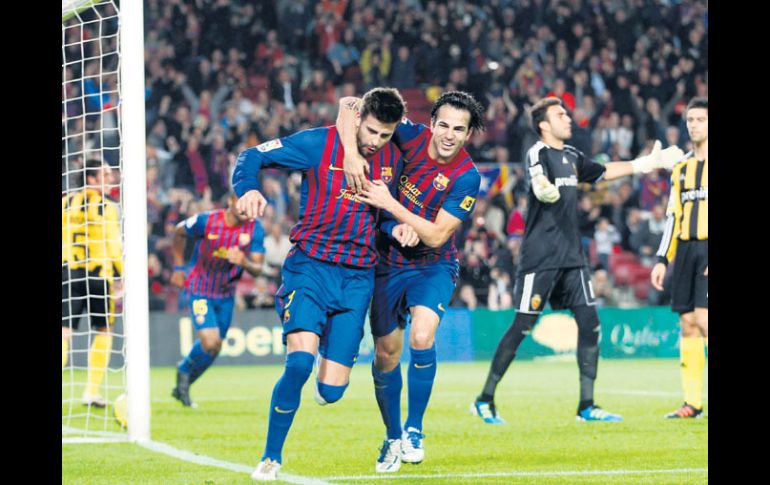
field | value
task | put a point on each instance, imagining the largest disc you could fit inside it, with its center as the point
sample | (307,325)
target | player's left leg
(421,375)
(204,350)
(588,362)
(574,291)
(428,293)
(102,314)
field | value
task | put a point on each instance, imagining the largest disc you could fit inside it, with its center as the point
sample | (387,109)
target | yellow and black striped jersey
(90,236)
(688,206)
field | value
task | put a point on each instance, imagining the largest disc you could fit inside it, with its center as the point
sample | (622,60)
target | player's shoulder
(683,161)
(573,151)
(533,154)
(311,136)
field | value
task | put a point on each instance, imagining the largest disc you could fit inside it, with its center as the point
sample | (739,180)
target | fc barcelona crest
(386,174)
(535,302)
(440,182)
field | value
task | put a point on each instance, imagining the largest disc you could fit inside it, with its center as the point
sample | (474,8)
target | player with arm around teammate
(553,267)
(328,276)
(436,191)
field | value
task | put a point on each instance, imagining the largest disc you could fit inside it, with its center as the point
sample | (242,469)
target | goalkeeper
(91,259)
(553,266)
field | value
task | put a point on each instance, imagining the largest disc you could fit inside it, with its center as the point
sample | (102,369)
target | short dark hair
(463,101)
(385,104)
(698,102)
(538,110)
(93,166)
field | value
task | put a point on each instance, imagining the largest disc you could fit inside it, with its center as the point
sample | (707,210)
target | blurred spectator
(624,71)
(500,295)
(606,236)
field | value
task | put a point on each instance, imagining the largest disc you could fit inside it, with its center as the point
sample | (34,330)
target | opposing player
(686,240)
(436,191)
(226,244)
(553,267)
(92,257)
(328,275)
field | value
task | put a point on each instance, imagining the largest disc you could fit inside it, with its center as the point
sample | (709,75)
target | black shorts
(562,288)
(689,286)
(81,291)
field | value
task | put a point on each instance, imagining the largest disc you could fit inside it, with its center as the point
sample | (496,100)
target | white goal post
(103,117)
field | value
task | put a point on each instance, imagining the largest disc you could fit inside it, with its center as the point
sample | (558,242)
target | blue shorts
(327,299)
(398,289)
(212,313)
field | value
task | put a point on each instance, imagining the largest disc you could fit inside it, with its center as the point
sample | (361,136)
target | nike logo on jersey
(441,307)
(418,366)
(333,168)
(213,236)
(279,410)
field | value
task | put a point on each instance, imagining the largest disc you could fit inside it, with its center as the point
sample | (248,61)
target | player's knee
(421,339)
(689,325)
(211,345)
(387,358)
(701,318)
(299,365)
(331,394)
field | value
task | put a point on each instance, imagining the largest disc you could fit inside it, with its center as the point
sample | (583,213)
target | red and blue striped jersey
(426,186)
(333,226)
(212,275)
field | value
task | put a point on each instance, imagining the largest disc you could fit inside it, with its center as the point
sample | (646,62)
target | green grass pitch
(541,443)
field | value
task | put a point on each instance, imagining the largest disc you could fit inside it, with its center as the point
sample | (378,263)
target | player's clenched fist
(252,204)
(405,235)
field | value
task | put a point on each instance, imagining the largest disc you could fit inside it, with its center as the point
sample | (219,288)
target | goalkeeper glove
(544,190)
(658,159)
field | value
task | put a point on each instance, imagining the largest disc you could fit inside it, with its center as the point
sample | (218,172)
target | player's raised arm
(292,152)
(355,166)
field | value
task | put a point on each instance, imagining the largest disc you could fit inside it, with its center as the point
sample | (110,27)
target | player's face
(373,135)
(101,179)
(560,122)
(231,202)
(450,131)
(698,125)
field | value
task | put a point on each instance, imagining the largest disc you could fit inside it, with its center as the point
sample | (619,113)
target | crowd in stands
(223,75)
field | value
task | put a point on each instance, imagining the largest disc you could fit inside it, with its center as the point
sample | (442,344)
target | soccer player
(227,243)
(436,191)
(328,275)
(92,255)
(686,240)
(553,267)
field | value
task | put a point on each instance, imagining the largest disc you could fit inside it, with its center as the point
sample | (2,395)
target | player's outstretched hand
(376,194)
(356,168)
(657,276)
(669,157)
(405,235)
(252,204)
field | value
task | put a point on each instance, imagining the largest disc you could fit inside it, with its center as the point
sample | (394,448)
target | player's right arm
(299,151)
(668,242)
(194,226)
(354,164)
(537,171)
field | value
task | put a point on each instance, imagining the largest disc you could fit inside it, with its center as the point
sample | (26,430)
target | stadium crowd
(222,75)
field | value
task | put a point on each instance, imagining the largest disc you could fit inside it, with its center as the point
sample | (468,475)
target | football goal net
(105,352)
